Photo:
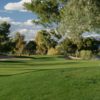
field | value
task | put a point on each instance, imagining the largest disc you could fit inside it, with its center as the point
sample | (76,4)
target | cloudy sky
(14,12)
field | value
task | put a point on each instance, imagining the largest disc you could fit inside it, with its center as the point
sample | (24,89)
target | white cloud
(23,31)
(29,34)
(90,34)
(9,20)
(26,28)
(16,5)
(16,23)
(26,23)
(3,19)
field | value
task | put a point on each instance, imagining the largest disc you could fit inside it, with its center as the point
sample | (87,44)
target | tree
(19,44)
(4,37)
(30,47)
(55,34)
(91,44)
(48,11)
(44,41)
(80,16)
(67,46)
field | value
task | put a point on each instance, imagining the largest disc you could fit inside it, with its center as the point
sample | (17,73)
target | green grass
(49,78)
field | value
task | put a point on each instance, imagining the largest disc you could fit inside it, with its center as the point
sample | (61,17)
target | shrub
(77,53)
(86,54)
(53,51)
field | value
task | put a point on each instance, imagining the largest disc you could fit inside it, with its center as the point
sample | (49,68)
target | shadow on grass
(11,61)
(62,70)
(52,63)
(7,75)
(46,58)
(40,63)
(31,70)
(30,57)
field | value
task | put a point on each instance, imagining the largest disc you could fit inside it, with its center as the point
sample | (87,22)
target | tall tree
(4,37)
(19,44)
(48,11)
(44,41)
(67,46)
(30,47)
(79,16)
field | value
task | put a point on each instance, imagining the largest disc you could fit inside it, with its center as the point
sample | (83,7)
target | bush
(86,54)
(77,53)
(53,51)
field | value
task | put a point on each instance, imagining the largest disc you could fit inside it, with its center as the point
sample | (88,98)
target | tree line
(67,19)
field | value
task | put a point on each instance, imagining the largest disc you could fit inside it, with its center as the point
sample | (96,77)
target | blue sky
(16,15)
(13,12)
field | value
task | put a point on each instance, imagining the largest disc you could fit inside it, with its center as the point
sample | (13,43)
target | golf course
(49,78)
(49,49)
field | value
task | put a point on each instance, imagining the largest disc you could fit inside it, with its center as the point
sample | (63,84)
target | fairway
(49,78)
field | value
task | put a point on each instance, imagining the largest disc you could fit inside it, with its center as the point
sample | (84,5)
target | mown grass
(49,78)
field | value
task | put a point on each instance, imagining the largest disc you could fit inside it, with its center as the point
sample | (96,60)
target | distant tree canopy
(75,16)
(19,44)
(31,47)
(68,46)
(72,17)
(4,31)
(44,41)
(48,11)
(79,16)
(4,37)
